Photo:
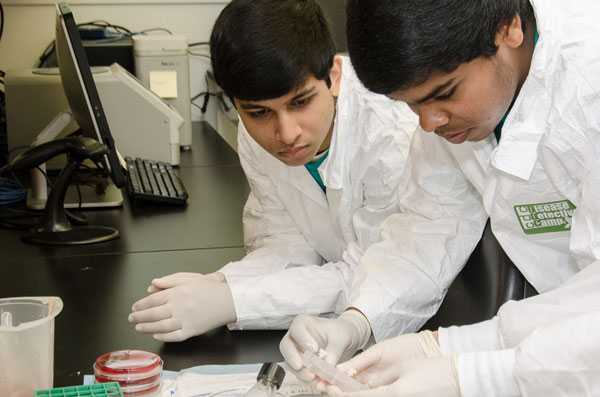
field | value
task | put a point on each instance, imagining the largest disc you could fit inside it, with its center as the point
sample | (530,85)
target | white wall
(29,27)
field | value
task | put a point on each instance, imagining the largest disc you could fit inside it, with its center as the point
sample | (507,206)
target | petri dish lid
(139,389)
(128,365)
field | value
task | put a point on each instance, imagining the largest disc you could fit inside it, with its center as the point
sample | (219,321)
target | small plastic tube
(6,320)
(331,374)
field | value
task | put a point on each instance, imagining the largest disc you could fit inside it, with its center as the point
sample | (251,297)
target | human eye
(301,102)
(447,95)
(258,114)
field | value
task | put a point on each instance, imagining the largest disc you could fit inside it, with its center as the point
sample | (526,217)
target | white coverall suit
(303,245)
(541,189)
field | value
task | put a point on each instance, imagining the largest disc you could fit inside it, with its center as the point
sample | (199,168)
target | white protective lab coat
(302,244)
(542,192)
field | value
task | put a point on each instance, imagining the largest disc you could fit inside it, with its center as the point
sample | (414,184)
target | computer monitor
(80,90)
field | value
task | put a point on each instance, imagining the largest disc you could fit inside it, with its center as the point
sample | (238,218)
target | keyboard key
(154,181)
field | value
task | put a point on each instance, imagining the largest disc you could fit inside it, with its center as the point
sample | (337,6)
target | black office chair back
(488,280)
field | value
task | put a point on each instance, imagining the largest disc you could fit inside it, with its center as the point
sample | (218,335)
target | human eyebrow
(435,92)
(303,93)
(251,106)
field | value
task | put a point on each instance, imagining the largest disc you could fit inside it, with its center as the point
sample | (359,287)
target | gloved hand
(339,338)
(186,310)
(429,377)
(175,279)
(390,353)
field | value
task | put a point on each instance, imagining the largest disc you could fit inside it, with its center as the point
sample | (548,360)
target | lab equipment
(330,373)
(162,64)
(137,372)
(106,48)
(82,95)
(135,114)
(268,382)
(230,381)
(154,181)
(98,390)
(27,344)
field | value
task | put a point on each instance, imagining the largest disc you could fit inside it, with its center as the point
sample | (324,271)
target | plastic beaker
(27,344)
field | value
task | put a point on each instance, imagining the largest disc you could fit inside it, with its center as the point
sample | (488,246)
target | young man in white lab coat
(324,158)
(528,70)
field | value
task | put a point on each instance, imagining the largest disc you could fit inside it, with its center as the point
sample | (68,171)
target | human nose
(288,130)
(432,118)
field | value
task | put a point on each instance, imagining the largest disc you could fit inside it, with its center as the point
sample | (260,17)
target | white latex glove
(339,338)
(186,310)
(390,354)
(429,377)
(175,279)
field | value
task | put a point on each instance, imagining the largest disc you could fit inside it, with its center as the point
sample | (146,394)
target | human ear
(511,34)
(335,75)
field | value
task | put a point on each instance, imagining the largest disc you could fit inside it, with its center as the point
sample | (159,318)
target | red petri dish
(137,372)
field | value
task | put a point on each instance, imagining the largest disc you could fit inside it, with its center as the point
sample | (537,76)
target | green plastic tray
(96,390)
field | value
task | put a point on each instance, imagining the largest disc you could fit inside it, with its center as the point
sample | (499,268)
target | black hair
(263,49)
(397,44)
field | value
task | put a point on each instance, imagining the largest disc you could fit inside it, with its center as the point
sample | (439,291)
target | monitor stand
(56,227)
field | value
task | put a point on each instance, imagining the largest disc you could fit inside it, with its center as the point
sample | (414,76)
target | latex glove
(175,279)
(429,377)
(186,310)
(389,354)
(339,338)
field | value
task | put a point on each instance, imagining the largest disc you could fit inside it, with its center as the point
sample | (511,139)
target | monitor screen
(80,90)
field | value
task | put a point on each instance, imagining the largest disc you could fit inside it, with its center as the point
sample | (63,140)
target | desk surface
(98,283)
(218,190)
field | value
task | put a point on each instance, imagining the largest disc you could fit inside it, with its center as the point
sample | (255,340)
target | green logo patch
(545,217)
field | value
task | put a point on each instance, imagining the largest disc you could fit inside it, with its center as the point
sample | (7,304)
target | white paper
(164,83)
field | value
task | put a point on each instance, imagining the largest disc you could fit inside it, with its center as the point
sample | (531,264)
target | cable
(154,30)
(121,33)
(45,54)
(105,24)
(198,43)
(19,219)
(17,148)
(195,54)
(1,21)
(11,192)
(48,181)
(203,93)
(79,195)
(207,96)
(124,32)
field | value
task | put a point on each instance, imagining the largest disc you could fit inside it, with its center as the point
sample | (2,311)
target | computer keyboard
(156,181)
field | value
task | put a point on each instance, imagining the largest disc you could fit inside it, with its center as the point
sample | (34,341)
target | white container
(27,344)
(162,65)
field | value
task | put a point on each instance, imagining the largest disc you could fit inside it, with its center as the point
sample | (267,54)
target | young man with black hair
(511,88)
(324,158)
